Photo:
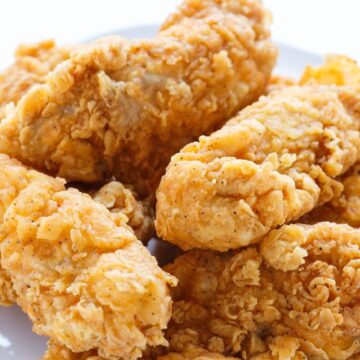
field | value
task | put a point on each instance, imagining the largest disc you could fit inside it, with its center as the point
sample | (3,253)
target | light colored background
(319,26)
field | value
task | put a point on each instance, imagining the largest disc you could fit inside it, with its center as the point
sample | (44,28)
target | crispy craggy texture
(32,64)
(7,295)
(338,70)
(195,354)
(272,163)
(294,296)
(342,209)
(125,107)
(57,352)
(77,271)
(121,201)
(227,202)
(347,206)
(279,82)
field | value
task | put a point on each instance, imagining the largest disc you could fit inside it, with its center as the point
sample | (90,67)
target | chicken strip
(121,201)
(123,108)
(293,296)
(238,195)
(32,64)
(124,207)
(77,271)
(269,165)
(272,163)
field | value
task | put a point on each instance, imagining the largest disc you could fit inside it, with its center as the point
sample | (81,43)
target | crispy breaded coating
(7,296)
(32,64)
(293,296)
(272,163)
(124,107)
(279,82)
(344,208)
(78,272)
(59,352)
(240,195)
(337,70)
(121,201)
(347,206)
(195,354)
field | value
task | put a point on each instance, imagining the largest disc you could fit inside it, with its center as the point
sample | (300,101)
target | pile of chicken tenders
(254,177)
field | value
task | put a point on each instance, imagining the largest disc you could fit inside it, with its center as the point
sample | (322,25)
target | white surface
(318,26)
(17,342)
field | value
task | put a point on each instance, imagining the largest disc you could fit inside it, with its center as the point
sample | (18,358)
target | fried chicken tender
(32,64)
(77,271)
(121,201)
(293,296)
(272,163)
(238,195)
(124,107)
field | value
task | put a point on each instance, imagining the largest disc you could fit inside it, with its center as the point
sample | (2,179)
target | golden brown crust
(275,161)
(59,352)
(32,64)
(123,204)
(7,294)
(347,206)
(343,209)
(195,354)
(294,296)
(125,107)
(337,70)
(272,163)
(279,82)
(80,274)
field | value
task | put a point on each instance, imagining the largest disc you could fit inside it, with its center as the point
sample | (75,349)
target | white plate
(17,342)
